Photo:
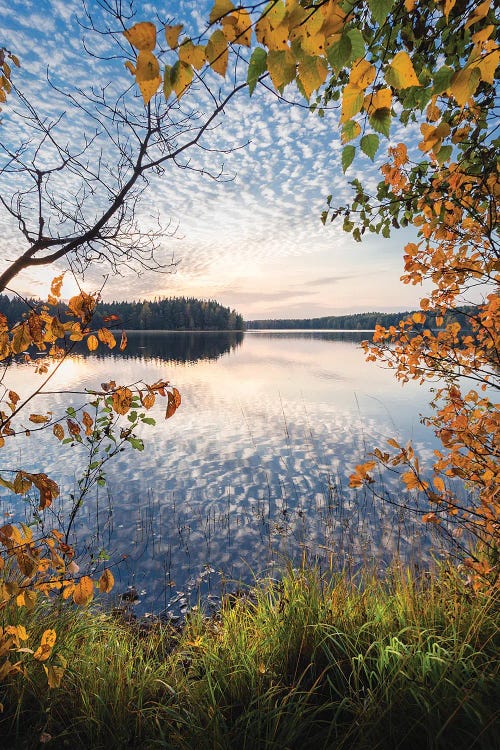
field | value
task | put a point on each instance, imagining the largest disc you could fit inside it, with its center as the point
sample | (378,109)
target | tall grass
(313,661)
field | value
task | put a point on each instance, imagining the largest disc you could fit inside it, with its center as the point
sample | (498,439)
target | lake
(251,471)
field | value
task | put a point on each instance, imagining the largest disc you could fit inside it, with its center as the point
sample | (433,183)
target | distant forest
(190,314)
(358,321)
(169,314)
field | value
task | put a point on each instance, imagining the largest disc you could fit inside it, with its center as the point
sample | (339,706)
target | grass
(313,661)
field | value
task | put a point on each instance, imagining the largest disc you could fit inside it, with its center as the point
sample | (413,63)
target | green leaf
(348,154)
(149,420)
(381,121)
(369,145)
(442,79)
(339,53)
(443,154)
(380,9)
(256,67)
(357,44)
(167,81)
(136,443)
(281,67)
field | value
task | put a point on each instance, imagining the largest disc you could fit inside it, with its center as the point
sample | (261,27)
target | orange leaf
(38,418)
(142,35)
(88,422)
(122,400)
(104,335)
(106,581)
(84,591)
(171,407)
(92,343)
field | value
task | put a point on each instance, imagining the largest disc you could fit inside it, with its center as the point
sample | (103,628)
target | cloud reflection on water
(253,467)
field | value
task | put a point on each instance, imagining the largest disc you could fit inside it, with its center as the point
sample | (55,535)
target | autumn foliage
(44,566)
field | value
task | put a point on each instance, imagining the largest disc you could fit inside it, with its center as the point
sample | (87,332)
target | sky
(252,240)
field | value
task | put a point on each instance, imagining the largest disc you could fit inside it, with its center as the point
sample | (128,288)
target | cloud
(327,281)
(258,233)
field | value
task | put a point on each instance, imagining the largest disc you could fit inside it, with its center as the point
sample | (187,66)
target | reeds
(312,661)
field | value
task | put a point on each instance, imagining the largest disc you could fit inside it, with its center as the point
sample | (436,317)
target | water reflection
(174,347)
(253,466)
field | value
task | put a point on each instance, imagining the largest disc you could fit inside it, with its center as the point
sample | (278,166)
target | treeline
(171,313)
(359,321)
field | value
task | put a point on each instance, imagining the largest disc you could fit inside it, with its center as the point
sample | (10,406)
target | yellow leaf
(172,34)
(5,349)
(105,335)
(147,75)
(464,84)
(381,99)
(352,101)
(84,591)
(402,71)
(334,18)
(221,7)
(483,34)
(448,7)
(42,653)
(432,113)
(56,328)
(130,67)
(237,27)
(22,633)
(123,341)
(480,12)
(82,305)
(92,343)
(49,638)
(362,74)
(21,339)
(181,76)
(217,52)
(142,36)
(275,38)
(193,54)
(488,64)
(106,581)
(54,677)
(312,72)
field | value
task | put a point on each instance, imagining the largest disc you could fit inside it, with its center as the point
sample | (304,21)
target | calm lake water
(252,470)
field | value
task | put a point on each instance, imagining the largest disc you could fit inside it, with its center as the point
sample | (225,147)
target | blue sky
(254,242)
